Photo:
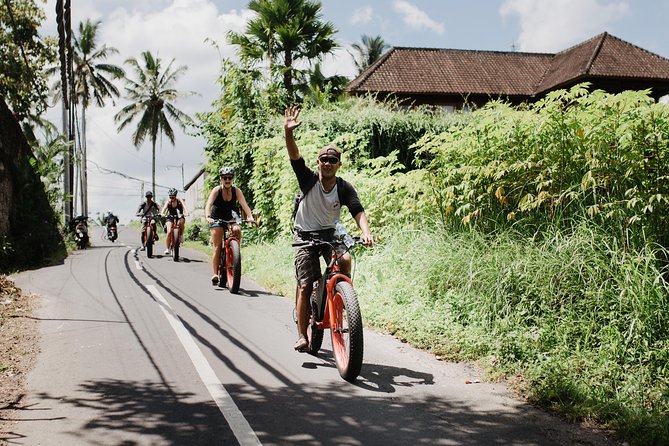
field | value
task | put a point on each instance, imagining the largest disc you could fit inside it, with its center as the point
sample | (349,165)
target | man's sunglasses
(227,177)
(329,159)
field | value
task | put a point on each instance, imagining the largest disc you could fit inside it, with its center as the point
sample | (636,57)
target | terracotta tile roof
(604,56)
(447,71)
(428,70)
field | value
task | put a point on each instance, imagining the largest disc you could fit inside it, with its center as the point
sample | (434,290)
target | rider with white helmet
(175,211)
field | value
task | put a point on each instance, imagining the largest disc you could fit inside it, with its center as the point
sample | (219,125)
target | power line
(126,176)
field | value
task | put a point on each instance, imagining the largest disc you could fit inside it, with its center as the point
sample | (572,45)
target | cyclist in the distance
(174,210)
(222,202)
(323,194)
(148,208)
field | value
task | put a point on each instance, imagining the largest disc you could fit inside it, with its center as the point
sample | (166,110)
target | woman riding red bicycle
(175,211)
(222,202)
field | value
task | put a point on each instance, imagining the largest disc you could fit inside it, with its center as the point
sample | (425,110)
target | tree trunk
(153,167)
(84,166)
(288,73)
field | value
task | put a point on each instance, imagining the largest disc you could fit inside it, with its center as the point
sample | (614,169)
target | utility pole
(182,173)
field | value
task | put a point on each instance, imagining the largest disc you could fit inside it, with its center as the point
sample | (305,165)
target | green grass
(581,325)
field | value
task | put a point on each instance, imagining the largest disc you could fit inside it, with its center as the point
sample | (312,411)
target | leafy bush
(573,155)
(197,231)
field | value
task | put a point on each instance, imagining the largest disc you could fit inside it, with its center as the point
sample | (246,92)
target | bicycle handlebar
(233,221)
(314,243)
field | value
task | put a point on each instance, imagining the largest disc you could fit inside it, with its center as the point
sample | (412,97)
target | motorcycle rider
(175,211)
(148,208)
(111,220)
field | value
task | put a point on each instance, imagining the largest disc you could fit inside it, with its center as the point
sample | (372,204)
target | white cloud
(415,18)
(339,63)
(550,26)
(362,15)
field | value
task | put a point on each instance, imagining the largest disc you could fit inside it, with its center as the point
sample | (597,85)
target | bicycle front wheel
(175,245)
(149,242)
(346,332)
(234,265)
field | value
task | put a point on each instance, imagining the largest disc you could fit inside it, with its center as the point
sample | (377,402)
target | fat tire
(175,246)
(149,242)
(234,267)
(314,334)
(346,332)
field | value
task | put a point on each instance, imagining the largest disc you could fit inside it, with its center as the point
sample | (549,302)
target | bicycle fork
(329,316)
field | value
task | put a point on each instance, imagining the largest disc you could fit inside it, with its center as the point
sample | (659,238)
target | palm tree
(368,52)
(151,96)
(92,80)
(285,31)
(318,88)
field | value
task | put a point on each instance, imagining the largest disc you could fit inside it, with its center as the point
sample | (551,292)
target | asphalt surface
(138,351)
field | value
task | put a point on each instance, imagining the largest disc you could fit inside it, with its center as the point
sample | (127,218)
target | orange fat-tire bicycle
(175,245)
(334,306)
(230,263)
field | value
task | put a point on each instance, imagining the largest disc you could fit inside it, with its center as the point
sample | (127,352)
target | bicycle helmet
(227,170)
(148,194)
(172,192)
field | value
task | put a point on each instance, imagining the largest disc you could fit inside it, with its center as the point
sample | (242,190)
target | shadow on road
(156,413)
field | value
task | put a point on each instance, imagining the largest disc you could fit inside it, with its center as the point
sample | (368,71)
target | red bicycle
(148,234)
(230,263)
(176,241)
(334,306)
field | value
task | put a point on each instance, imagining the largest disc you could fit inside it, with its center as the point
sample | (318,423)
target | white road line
(138,265)
(240,427)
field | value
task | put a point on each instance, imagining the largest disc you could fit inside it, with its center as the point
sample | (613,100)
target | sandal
(214,280)
(301,345)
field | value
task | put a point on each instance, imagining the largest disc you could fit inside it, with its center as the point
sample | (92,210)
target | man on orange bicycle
(174,210)
(148,208)
(221,203)
(318,210)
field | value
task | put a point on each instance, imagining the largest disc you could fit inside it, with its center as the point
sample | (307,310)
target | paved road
(138,351)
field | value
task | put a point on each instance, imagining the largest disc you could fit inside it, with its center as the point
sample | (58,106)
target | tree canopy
(23,54)
(285,32)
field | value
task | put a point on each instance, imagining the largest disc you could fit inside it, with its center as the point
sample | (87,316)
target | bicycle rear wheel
(234,266)
(346,332)
(314,334)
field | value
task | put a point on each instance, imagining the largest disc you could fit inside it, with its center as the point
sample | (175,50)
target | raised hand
(290,118)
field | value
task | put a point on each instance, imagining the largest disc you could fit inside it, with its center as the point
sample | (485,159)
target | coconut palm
(152,95)
(285,32)
(368,52)
(92,81)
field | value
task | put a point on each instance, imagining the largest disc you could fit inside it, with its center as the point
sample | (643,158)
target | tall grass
(582,325)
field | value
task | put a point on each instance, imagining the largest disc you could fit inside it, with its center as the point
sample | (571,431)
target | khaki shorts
(308,262)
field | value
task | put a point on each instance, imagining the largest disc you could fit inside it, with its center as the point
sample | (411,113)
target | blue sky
(179,29)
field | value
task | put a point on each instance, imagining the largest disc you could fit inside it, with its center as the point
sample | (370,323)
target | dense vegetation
(531,239)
